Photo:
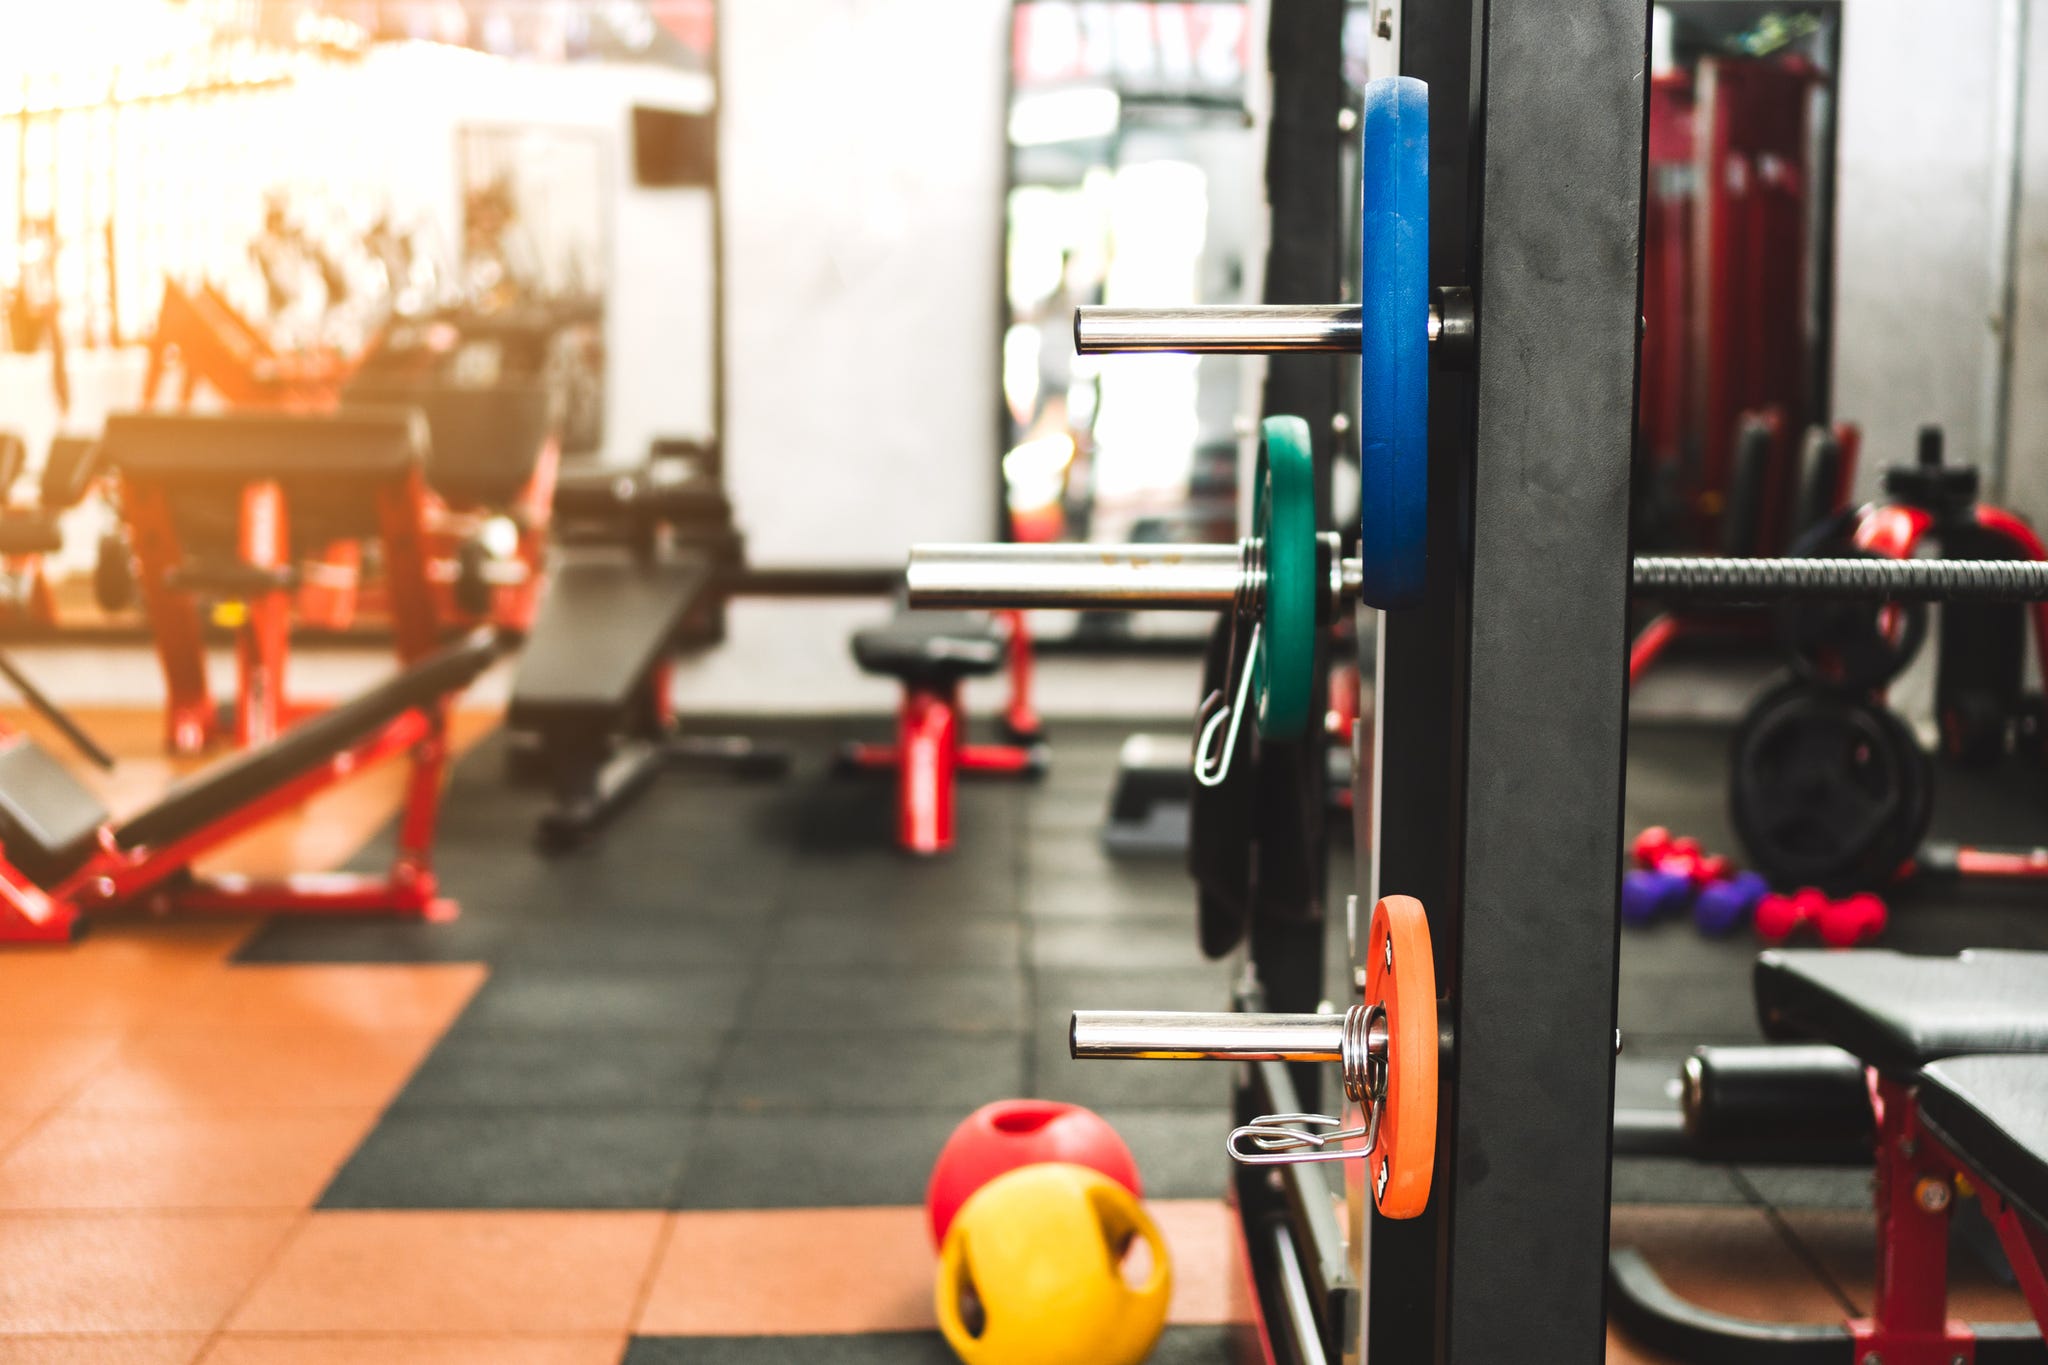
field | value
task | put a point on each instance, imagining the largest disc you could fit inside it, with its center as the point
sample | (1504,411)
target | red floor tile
(456,1273)
(130,1272)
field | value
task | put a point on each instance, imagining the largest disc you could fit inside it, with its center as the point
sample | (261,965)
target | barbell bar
(1215,577)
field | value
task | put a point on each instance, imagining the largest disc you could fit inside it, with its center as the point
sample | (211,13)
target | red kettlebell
(1857,919)
(1000,1137)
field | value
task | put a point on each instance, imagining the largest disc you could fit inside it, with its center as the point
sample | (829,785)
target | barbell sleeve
(1150,1035)
(1077,577)
(1261,329)
(1247,330)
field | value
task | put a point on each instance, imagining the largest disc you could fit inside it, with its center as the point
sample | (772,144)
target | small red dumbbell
(1838,923)
(1655,850)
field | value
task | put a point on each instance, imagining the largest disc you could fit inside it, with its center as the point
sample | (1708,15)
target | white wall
(863,178)
(1915,224)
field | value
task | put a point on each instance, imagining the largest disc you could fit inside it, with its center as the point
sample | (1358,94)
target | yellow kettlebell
(1031,1272)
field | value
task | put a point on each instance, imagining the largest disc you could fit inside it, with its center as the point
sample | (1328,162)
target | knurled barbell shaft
(1758,581)
(1154,1035)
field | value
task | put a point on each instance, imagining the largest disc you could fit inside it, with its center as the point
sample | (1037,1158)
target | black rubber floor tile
(528,1160)
(642,941)
(962,883)
(1060,993)
(826,1070)
(845,936)
(1810,1187)
(576,1072)
(865,1000)
(769,1161)
(1111,1086)
(668,1002)
(1114,894)
(883,1348)
(1675,1180)
(1180,1152)
(1179,1346)
(1082,945)
(475,937)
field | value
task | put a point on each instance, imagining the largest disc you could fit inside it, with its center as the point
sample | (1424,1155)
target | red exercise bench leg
(927,750)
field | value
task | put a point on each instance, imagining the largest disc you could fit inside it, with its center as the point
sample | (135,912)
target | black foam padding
(1790,1104)
(228,786)
(69,469)
(361,442)
(484,443)
(48,819)
(1899,1013)
(1993,1113)
(604,623)
(934,648)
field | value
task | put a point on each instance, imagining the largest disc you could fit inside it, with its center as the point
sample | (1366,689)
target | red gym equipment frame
(930,749)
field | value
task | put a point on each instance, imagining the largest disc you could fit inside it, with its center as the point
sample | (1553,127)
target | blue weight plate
(1393,400)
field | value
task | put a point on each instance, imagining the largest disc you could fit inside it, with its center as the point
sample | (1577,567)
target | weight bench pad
(373,443)
(228,786)
(49,821)
(604,624)
(1898,1013)
(934,648)
(1992,1112)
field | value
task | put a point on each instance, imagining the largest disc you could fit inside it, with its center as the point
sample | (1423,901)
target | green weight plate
(1284,520)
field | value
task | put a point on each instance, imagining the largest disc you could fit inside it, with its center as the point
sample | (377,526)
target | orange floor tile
(603,1349)
(131,1272)
(184,1070)
(232,1159)
(108,1349)
(455,1273)
(727,1273)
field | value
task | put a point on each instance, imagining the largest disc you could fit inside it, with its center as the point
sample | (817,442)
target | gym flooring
(674,1097)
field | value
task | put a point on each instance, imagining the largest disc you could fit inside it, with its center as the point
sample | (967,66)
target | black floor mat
(678,1014)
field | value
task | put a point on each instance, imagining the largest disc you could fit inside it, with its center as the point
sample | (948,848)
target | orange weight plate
(1401,980)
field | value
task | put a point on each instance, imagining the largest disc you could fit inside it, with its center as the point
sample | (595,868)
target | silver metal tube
(1251,330)
(1165,1036)
(1078,577)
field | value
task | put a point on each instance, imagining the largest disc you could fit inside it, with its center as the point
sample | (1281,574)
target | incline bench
(61,855)
(590,710)
(1956,1051)
(225,508)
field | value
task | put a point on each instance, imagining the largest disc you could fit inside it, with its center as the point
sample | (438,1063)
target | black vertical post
(1502,700)
(1304,46)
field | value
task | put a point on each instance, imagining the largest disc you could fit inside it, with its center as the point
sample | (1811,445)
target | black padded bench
(931,654)
(1957,1051)
(483,443)
(589,710)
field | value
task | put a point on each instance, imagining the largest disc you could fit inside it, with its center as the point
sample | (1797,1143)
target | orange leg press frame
(1386,1044)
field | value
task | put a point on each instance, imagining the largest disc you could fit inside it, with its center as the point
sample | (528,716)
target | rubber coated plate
(1284,523)
(1826,789)
(1401,980)
(1393,397)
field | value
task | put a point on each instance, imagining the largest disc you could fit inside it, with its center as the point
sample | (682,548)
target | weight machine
(1496,325)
